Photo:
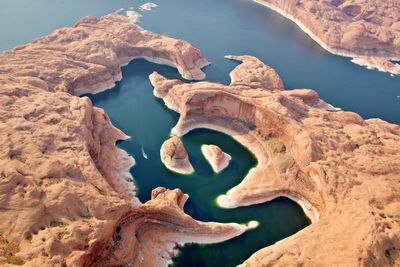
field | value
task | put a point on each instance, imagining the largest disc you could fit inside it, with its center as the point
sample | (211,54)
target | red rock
(343,170)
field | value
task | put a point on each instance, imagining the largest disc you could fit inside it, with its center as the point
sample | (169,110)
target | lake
(217,28)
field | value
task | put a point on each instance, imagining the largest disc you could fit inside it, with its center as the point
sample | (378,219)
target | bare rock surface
(217,158)
(343,170)
(174,156)
(351,28)
(66,194)
(87,57)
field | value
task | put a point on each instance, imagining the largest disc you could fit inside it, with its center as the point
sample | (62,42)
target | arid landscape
(67,193)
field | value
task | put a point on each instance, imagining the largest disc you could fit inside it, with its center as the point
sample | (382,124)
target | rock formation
(343,170)
(378,64)
(218,159)
(90,55)
(351,28)
(66,194)
(174,156)
(147,235)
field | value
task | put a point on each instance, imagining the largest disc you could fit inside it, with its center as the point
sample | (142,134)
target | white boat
(144,153)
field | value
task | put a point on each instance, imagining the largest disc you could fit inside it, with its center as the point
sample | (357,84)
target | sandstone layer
(343,170)
(217,158)
(66,194)
(174,156)
(87,58)
(351,28)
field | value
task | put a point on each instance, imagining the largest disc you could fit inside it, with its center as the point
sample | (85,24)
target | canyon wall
(367,29)
(66,194)
(343,170)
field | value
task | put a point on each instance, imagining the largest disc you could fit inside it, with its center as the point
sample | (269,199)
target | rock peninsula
(174,156)
(67,197)
(351,28)
(343,170)
(217,158)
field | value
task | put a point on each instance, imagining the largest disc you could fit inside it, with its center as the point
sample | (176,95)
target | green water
(217,27)
(140,114)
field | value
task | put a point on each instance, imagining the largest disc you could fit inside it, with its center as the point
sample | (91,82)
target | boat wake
(144,153)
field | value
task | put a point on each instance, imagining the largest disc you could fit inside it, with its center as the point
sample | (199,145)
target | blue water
(226,27)
(217,28)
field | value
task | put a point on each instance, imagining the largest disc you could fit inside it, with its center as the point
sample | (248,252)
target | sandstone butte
(174,156)
(343,170)
(366,30)
(66,194)
(217,158)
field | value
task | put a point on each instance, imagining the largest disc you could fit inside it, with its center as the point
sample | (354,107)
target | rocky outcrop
(343,170)
(66,194)
(147,235)
(87,57)
(174,156)
(378,64)
(218,159)
(351,28)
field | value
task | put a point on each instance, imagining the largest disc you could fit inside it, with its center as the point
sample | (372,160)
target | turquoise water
(140,114)
(217,28)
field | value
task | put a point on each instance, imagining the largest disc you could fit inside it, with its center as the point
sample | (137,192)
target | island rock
(67,197)
(218,159)
(341,169)
(175,157)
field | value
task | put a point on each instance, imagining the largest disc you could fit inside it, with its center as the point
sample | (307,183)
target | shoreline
(90,173)
(109,84)
(335,51)
(309,210)
(126,183)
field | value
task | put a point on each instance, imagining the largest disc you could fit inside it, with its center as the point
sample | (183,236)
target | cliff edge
(343,170)
(366,30)
(66,194)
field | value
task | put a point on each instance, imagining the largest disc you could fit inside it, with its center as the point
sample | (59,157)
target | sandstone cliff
(344,171)
(352,28)
(66,194)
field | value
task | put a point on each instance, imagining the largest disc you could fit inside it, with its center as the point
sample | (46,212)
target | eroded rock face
(218,159)
(87,57)
(378,64)
(175,157)
(147,235)
(66,194)
(344,171)
(351,28)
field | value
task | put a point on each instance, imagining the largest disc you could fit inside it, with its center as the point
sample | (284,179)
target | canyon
(343,170)
(66,194)
(360,29)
